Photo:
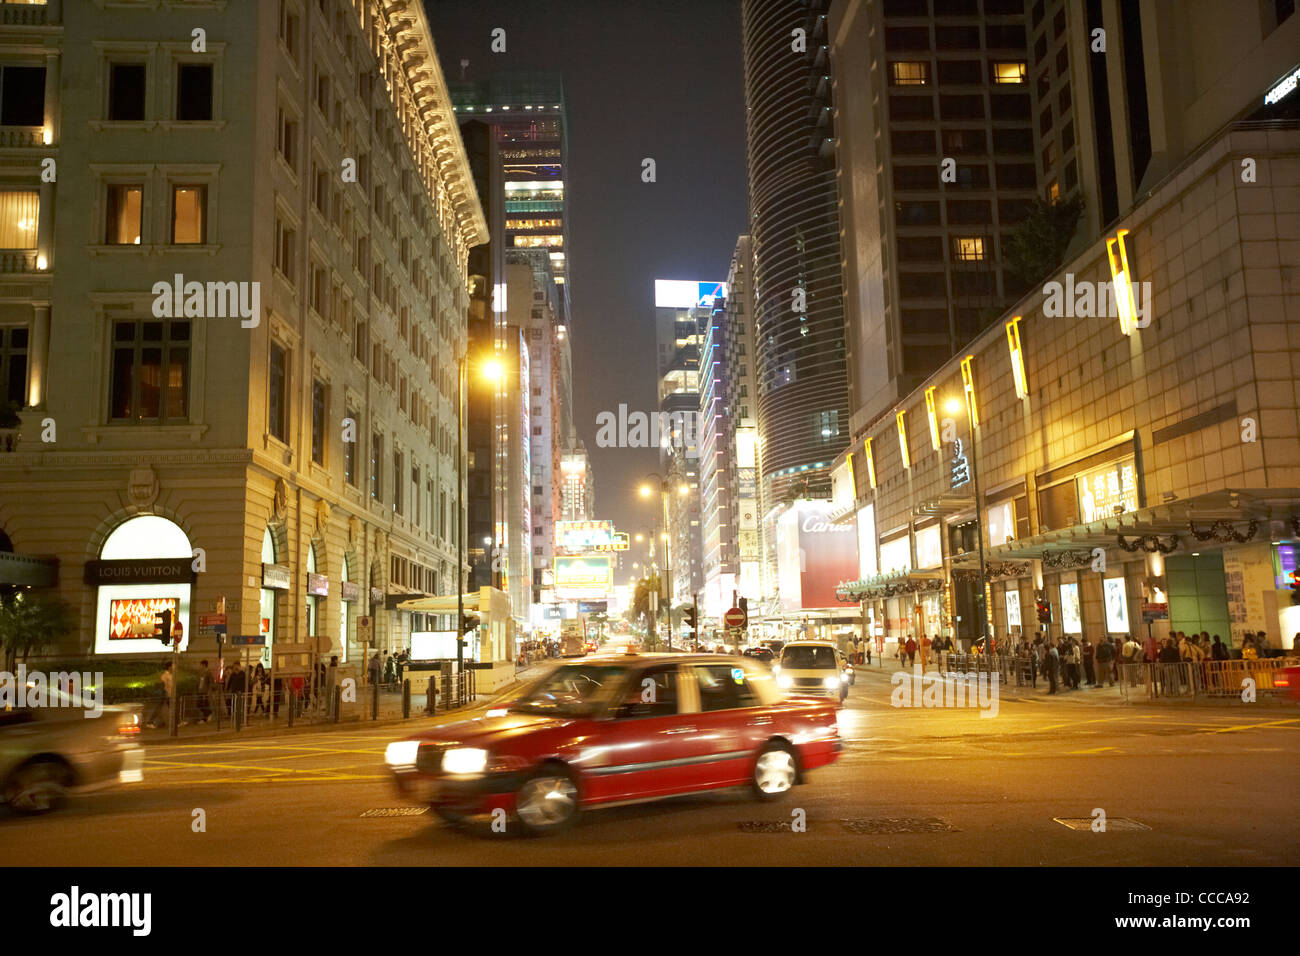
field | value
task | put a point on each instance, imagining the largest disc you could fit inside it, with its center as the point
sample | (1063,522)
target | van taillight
(129,725)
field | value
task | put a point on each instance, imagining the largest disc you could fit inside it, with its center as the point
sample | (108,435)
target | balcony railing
(23,14)
(17,261)
(20,136)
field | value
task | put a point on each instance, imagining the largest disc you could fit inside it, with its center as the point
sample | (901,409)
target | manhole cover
(898,825)
(395,812)
(763,826)
(1112,823)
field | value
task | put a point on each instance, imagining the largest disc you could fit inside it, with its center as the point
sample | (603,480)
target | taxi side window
(724,687)
(651,693)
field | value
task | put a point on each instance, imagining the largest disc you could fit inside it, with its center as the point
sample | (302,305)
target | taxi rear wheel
(775,772)
(547,801)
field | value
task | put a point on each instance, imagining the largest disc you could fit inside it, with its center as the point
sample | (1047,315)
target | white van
(811,667)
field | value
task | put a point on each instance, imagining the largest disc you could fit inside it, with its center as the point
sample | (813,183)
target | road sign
(257,639)
(365,629)
(211,620)
(735,618)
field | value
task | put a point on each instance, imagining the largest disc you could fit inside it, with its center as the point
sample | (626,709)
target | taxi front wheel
(775,772)
(547,802)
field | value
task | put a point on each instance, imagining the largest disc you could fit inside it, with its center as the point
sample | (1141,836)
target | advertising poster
(1116,597)
(133,618)
(1071,619)
(1013,608)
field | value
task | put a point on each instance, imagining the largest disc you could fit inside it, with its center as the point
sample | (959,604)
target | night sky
(659,79)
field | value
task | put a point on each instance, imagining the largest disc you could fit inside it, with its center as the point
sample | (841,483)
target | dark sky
(644,78)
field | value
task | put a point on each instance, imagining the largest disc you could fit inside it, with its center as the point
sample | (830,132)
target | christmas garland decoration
(1066,559)
(1223,531)
(1150,543)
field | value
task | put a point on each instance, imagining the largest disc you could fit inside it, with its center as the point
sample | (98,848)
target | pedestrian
(1105,659)
(163,701)
(236,685)
(204,693)
(1218,650)
(1089,669)
(910,647)
(867,650)
(261,703)
(390,668)
(372,669)
(1053,665)
(1151,650)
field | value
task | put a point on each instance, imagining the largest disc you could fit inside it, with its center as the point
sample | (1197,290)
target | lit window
(1053,191)
(18,216)
(910,74)
(123,220)
(189,204)
(968,248)
(1009,71)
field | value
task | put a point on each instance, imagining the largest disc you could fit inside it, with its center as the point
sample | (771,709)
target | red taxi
(618,729)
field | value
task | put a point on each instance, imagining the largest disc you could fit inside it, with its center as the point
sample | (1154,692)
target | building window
(968,248)
(22,96)
(415,494)
(151,371)
(377,466)
(284,261)
(126,91)
(1009,71)
(289,29)
(398,497)
(286,140)
(194,92)
(442,514)
(1053,191)
(189,215)
(123,217)
(277,392)
(319,409)
(350,451)
(1049,156)
(19,213)
(909,73)
(13,366)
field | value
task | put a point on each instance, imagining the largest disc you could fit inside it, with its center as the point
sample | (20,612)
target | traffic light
(743,604)
(690,618)
(162,626)
(1295,586)
(468,622)
(1044,608)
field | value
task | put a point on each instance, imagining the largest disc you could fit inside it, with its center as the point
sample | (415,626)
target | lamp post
(646,491)
(952,406)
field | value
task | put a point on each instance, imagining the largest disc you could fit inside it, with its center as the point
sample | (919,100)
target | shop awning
(440,604)
(25,570)
(1223,516)
(943,505)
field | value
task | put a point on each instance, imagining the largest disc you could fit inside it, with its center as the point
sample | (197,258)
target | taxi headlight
(464,760)
(401,753)
(784,681)
(832,682)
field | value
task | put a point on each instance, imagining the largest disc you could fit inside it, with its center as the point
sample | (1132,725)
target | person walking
(1089,668)
(204,693)
(1105,655)
(163,702)
(1053,665)
(236,685)
(910,646)
(260,702)
(372,669)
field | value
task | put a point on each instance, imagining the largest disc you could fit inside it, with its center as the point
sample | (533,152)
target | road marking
(1094,750)
(1269,723)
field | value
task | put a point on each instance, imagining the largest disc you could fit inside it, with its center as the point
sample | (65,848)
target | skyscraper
(802,399)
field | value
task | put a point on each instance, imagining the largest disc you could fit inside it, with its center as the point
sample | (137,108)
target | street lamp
(646,490)
(954,406)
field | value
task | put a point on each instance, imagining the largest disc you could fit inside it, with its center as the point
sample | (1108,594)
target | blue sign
(258,639)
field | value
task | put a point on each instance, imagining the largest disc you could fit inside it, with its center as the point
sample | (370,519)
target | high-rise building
(249,353)
(799,353)
(744,445)
(578,492)
(936,155)
(717,460)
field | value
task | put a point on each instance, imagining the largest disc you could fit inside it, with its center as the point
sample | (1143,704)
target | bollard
(292,702)
(406,698)
(338,703)
(431,696)
(374,701)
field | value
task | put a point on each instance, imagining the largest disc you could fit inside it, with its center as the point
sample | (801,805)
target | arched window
(157,579)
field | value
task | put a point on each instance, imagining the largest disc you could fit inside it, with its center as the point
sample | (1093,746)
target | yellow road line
(1094,750)
(1268,723)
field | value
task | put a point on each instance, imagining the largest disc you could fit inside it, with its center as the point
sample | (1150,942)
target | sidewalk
(874,675)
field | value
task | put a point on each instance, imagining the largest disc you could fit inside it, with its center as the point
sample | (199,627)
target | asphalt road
(1212,785)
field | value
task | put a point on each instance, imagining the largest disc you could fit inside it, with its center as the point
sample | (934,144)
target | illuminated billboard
(133,618)
(814,555)
(584,535)
(685,294)
(586,578)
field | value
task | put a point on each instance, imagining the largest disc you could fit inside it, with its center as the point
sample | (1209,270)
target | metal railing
(1203,678)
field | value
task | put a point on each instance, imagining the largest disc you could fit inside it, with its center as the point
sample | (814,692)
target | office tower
(799,354)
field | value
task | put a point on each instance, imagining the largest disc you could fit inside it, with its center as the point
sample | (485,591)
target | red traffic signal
(1044,609)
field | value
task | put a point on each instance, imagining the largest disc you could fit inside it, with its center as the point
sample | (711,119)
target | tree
(641,613)
(30,621)
(1037,245)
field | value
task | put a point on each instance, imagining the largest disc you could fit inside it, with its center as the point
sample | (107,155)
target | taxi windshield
(574,690)
(807,657)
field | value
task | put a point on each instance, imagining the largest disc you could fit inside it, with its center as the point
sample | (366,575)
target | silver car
(48,752)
